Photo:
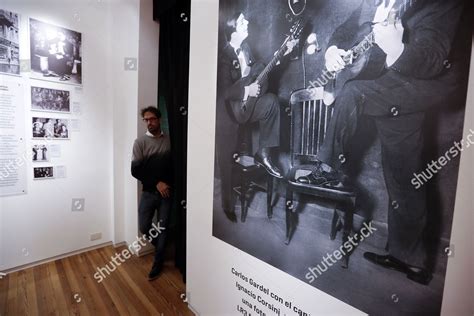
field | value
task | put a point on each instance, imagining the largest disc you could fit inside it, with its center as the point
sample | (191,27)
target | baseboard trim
(120,244)
(65,255)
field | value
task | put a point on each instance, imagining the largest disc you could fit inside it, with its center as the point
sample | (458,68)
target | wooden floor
(67,287)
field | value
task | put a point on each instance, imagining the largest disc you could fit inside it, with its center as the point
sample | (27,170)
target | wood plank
(22,295)
(65,285)
(104,302)
(169,287)
(60,300)
(76,294)
(31,293)
(44,290)
(85,297)
(136,284)
(11,308)
(4,281)
(134,305)
(111,286)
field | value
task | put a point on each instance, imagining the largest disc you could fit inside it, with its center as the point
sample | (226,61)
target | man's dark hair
(151,109)
(231,24)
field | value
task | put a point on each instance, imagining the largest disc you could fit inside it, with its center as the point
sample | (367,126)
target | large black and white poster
(338,137)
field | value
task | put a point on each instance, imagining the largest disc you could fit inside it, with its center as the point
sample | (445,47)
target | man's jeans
(149,203)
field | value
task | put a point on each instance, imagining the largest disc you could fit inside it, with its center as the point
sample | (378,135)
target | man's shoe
(155,272)
(230,215)
(332,179)
(262,158)
(416,274)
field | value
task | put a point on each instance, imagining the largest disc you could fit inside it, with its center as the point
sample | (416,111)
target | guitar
(242,110)
(362,62)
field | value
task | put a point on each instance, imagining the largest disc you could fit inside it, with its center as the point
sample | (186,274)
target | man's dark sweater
(151,161)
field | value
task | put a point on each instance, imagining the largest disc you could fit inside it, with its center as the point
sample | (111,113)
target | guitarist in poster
(415,46)
(241,80)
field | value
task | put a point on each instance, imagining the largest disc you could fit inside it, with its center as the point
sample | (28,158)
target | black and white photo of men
(373,96)
(52,100)
(50,128)
(9,43)
(40,153)
(43,173)
(55,53)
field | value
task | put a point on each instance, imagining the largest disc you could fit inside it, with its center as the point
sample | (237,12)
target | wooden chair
(309,122)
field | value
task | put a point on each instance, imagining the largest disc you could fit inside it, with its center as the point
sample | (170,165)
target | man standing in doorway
(151,164)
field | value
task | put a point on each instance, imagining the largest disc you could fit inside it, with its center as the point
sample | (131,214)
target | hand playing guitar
(389,38)
(334,59)
(290,45)
(254,90)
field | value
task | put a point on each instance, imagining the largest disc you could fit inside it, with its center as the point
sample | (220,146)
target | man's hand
(290,45)
(164,189)
(254,90)
(334,58)
(389,38)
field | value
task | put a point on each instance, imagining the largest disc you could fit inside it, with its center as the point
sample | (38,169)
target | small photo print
(39,153)
(9,43)
(43,173)
(50,128)
(52,100)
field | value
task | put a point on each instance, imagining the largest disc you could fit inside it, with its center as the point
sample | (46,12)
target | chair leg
(233,196)
(269,196)
(243,194)
(336,221)
(289,215)
(347,229)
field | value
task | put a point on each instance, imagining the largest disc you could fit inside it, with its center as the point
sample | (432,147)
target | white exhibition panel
(13,152)
(212,287)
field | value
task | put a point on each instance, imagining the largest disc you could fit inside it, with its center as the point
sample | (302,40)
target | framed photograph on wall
(41,173)
(50,100)
(50,128)
(39,153)
(9,43)
(55,53)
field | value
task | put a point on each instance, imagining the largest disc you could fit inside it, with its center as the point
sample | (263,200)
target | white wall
(97,157)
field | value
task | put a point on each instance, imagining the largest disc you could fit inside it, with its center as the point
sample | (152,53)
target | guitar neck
(269,67)
(369,40)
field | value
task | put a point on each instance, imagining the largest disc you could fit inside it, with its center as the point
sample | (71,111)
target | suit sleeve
(343,35)
(429,41)
(231,91)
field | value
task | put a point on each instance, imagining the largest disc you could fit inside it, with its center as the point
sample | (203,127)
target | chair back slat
(309,122)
